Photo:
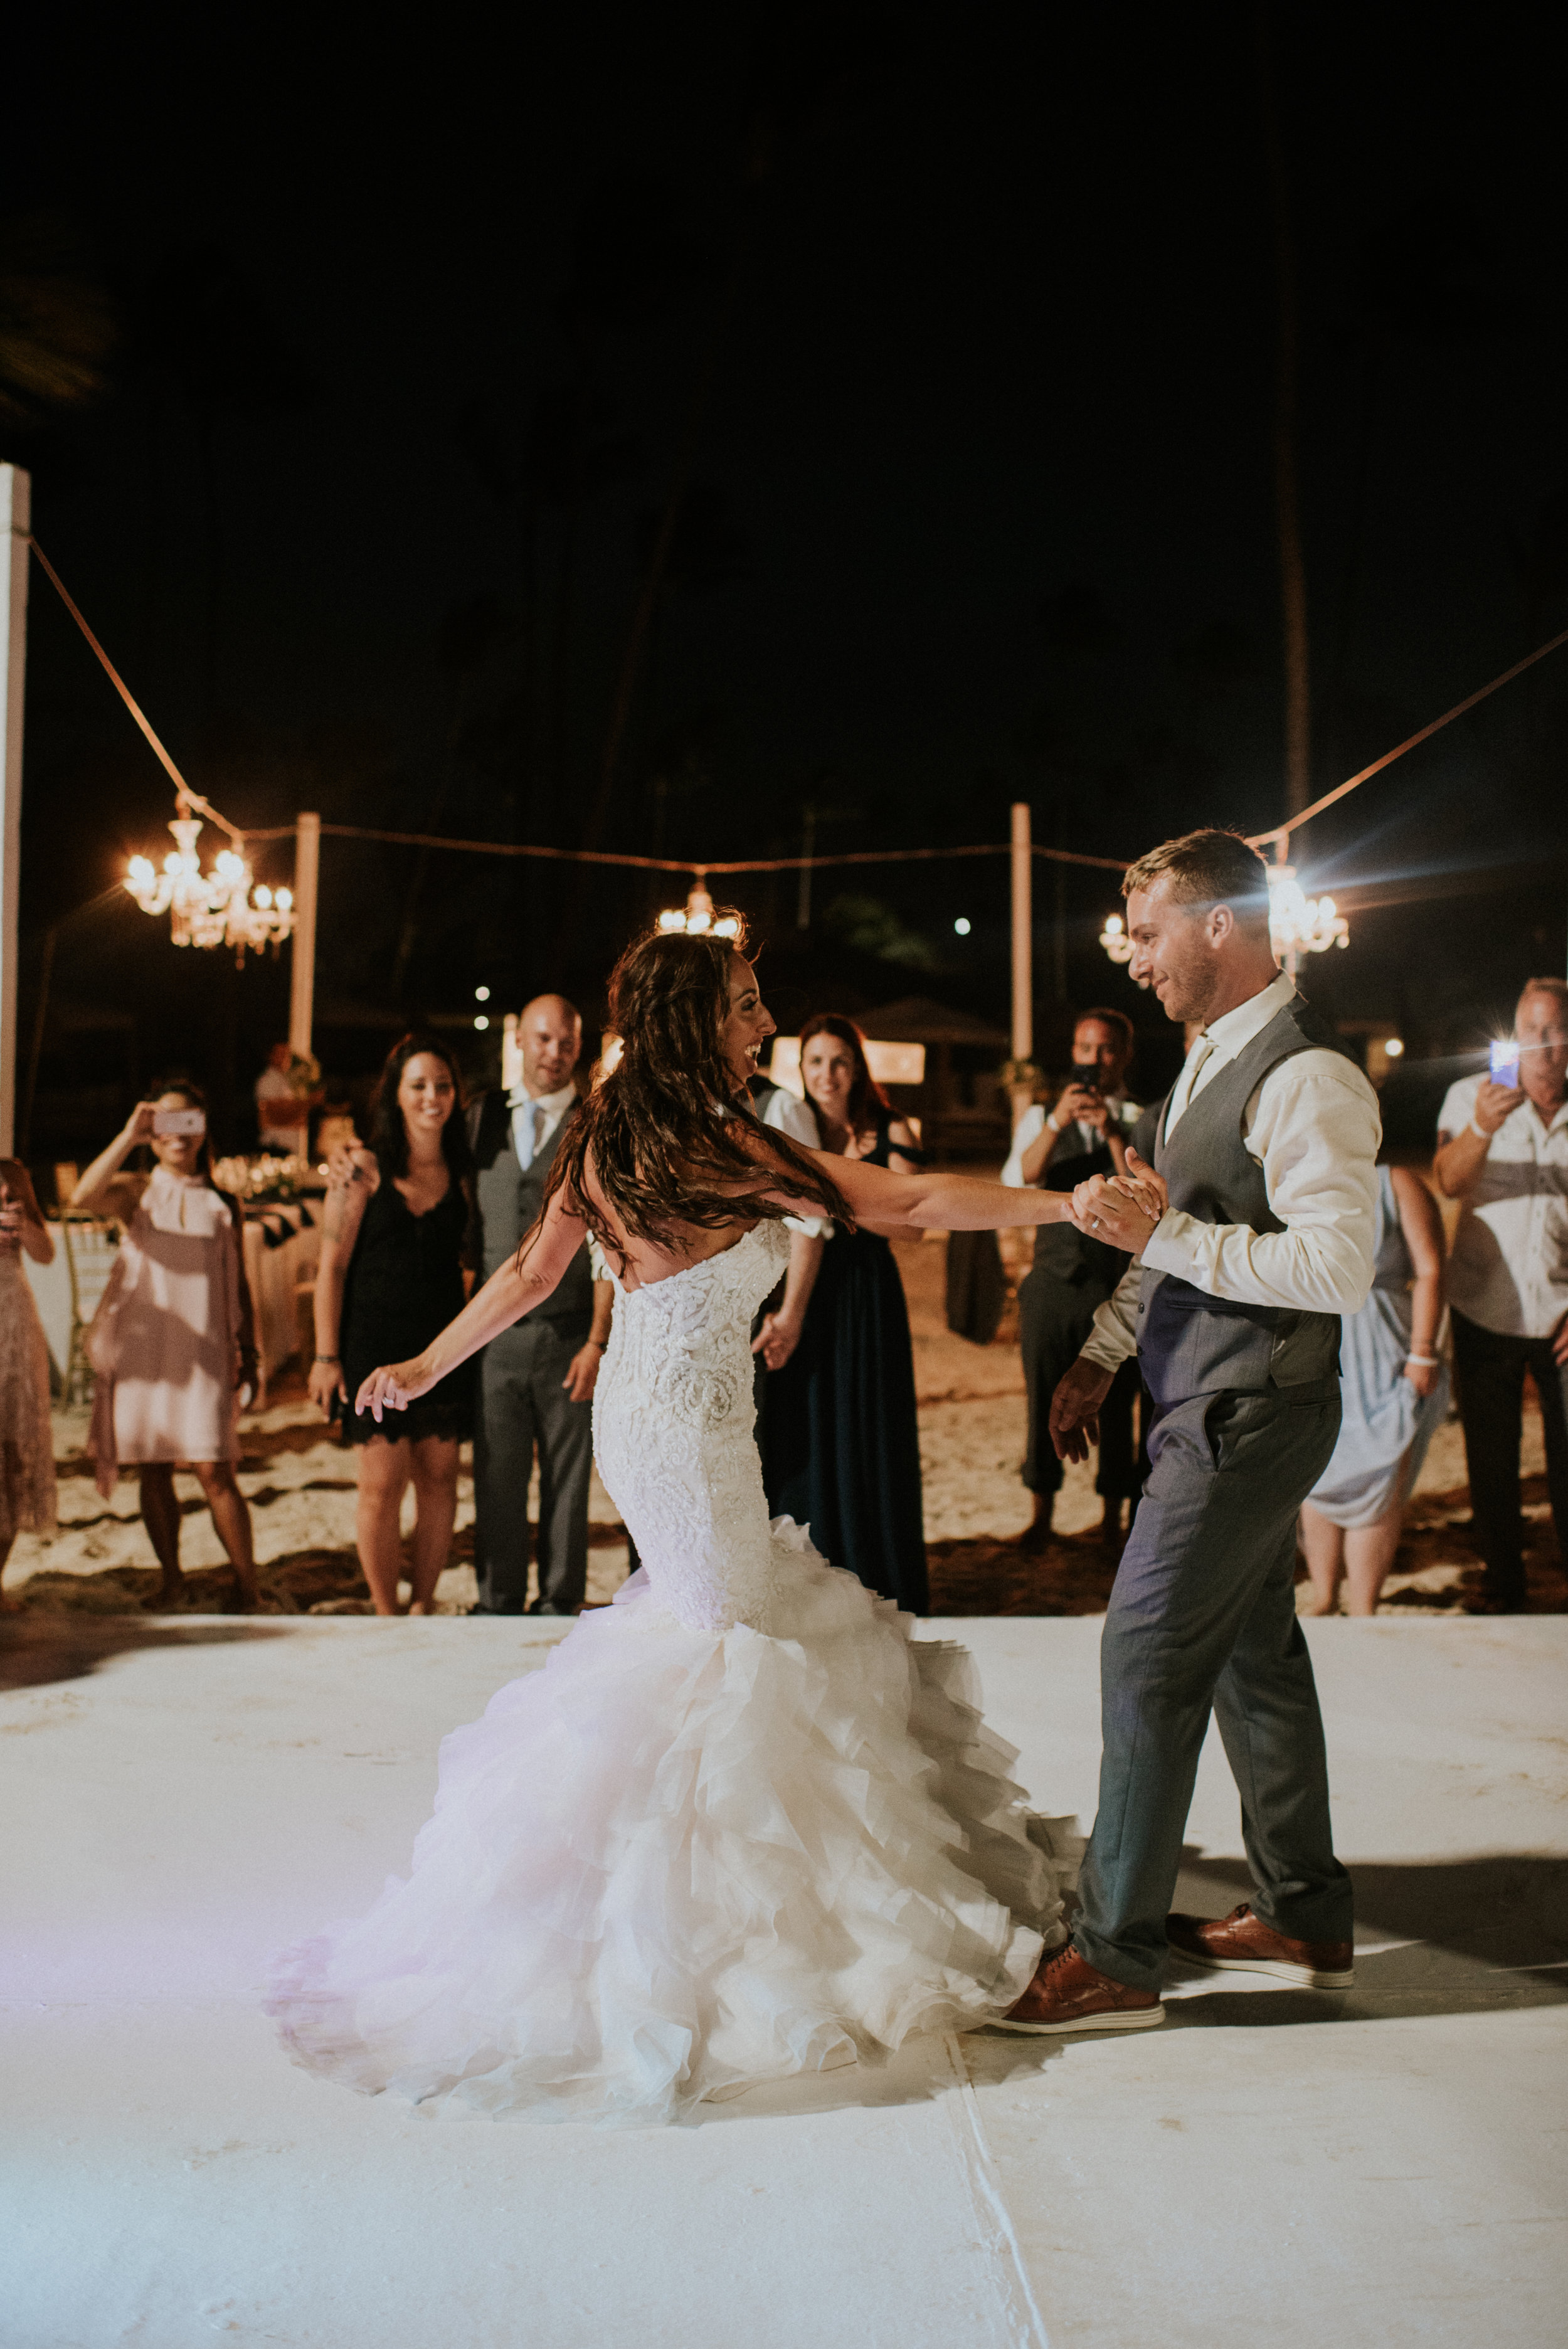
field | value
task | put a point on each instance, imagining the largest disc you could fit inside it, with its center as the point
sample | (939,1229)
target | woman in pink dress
(172,1342)
(27,1438)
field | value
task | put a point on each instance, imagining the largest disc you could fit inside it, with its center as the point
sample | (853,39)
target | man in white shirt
(1251,1234)
(1502,1152)
(282,1116)
(537,1379)
(1084,1133)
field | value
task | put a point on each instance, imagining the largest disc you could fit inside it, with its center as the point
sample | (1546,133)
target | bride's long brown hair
(671,1141)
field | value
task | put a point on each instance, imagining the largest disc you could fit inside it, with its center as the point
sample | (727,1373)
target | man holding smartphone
(1084,1133)
(1502,1152)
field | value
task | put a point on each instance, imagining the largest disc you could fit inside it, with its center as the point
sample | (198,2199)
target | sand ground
(300,1484)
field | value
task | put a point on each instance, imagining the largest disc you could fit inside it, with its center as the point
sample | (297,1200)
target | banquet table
(282,1246)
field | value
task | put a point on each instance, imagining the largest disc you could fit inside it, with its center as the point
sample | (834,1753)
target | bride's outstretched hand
(394,1388)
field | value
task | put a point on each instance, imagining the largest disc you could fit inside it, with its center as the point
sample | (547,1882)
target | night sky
(959,329)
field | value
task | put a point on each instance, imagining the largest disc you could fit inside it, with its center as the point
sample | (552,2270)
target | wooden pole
(302,982)
(1023,957)
(15,522)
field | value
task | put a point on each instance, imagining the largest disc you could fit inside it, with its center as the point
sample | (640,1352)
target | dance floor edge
(1381,2169)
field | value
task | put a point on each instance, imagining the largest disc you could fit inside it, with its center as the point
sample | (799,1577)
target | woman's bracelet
(600,1342)
(329,1357)
(1423,1362)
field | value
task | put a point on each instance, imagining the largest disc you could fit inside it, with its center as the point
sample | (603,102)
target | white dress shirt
(534,1118)
(788,1113)
(1313,1126)
(1033,1124)
(1509,1270)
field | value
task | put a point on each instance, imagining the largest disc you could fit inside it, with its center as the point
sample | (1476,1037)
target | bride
(742,1824)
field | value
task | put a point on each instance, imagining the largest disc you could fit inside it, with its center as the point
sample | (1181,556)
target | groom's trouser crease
(1202,1618)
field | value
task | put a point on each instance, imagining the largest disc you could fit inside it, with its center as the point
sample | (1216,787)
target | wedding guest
(1502,1152)
(537,1379)
(395,1242)
(173,1340)
(1394,1391)
(786,1114)
(1085,1132)
(843,1450)
(27,1437)
(283,1115)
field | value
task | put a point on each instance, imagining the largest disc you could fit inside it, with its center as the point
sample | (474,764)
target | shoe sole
(1303,1977)
(1130,2019)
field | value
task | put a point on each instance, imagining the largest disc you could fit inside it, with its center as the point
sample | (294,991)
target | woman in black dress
(841,1446)
(395,1265)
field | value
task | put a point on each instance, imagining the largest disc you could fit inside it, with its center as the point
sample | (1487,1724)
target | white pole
(1023,954)
(15,521)
(302,981)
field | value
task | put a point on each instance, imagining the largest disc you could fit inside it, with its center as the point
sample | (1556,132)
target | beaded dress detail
(741,1826)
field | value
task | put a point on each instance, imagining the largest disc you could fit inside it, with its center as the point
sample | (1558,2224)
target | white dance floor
(1270,2167)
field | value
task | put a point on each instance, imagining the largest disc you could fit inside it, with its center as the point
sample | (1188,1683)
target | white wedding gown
(741,1826)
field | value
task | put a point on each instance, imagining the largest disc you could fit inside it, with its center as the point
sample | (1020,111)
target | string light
(219,908)
(695,917)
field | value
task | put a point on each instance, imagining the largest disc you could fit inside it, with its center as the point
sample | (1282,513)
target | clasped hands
(1122,1210)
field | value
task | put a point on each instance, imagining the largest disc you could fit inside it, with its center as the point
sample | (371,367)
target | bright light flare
(1394,1046)
(961,925)
(1115,940)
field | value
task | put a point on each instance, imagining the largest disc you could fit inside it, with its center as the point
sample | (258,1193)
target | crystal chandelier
(696,917)
(1298,925)
(220,908)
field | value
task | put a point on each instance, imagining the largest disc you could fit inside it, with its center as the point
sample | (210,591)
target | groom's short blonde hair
(1210,867)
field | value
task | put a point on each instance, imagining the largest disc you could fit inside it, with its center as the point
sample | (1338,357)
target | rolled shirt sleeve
(1114,1338)
(1314,1126)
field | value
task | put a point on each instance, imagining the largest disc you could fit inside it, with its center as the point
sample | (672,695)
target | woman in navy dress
(841,1443)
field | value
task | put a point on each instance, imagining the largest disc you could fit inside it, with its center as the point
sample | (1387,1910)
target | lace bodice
(673,1420)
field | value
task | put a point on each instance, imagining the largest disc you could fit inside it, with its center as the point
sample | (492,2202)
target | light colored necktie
(531,1124)
(1205,1048)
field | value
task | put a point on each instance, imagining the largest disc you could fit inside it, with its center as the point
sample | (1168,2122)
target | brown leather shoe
(1069,1995)
(1242,1944)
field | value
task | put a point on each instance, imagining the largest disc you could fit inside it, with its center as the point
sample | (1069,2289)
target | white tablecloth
(91,1247)
(275,1267)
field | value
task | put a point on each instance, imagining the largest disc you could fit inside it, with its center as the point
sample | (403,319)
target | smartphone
(178,1121)
(1504,1069)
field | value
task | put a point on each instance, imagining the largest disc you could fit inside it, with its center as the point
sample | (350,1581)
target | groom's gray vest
(509,1199)
(1190,1343)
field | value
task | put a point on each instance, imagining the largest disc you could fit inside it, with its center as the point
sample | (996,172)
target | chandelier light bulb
(696,917)
(1115,940)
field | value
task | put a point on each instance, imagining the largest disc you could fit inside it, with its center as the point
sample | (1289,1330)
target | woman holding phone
(172,1342)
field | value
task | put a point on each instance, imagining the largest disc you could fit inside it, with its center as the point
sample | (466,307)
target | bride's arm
(935,1202)
(505,1296)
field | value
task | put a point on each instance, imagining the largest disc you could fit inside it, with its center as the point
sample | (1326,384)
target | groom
(1250,1234)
